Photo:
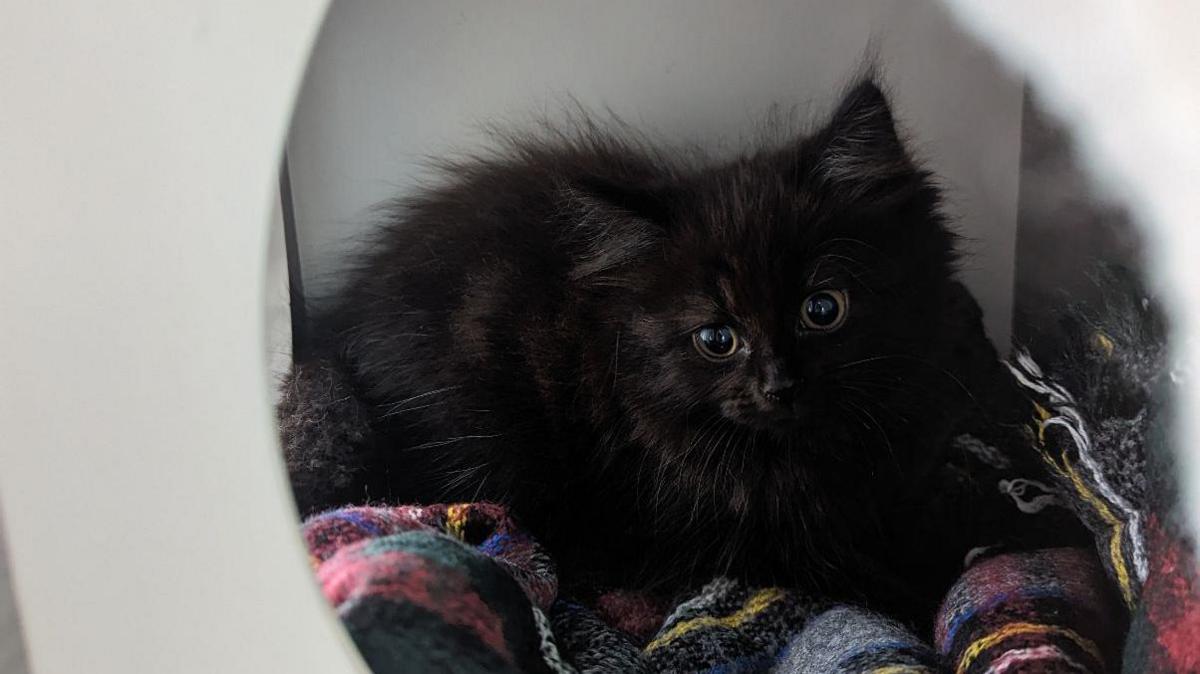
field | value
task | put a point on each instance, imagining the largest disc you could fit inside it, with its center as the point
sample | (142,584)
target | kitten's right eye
(716,342)
(824,310)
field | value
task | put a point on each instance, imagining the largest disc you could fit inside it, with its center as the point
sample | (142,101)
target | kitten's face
(754,343)
(789,316)
(798,295)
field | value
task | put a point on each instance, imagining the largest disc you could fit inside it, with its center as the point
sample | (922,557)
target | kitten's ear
(609,226)
(860,150)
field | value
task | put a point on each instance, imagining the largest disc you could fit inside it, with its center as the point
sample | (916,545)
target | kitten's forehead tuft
(751,298)
(728,295)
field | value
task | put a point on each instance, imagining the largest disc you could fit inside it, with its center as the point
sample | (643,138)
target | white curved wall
(145,508)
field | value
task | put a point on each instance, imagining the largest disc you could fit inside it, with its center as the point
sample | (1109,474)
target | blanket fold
(459,588)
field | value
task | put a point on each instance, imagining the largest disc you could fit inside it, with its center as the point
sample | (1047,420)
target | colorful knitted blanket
(461,588)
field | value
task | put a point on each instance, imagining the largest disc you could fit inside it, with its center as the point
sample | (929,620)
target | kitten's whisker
(717,447)
(414,408)
(894,383)
(847,268)
(708,429)
(882,433)
(943,371)
(461,476)
(868,398)
(864,361)
(707,426)
(707,434)
(450,441)
(479,489)
(400,403)
(909,358)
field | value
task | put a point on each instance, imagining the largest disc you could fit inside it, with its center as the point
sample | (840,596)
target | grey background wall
(1065,224)
(391,83)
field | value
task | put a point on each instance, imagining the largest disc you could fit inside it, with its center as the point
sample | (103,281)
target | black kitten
(668,370)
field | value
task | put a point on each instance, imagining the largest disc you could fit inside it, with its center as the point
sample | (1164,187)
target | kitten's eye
(825,310)
(716,341)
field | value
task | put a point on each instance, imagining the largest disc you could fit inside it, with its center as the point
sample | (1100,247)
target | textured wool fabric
(1048,610)
(1064,441)
(320,422)
(1165,633)
(1091,411)
(422,602)
(846,640)
(593,646)
(482,525)
(415,596)
(1099,422)
(439,586)
(460,588)
(638,614)
(730,625)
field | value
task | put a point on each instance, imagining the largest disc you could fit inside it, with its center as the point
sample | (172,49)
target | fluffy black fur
(523,333)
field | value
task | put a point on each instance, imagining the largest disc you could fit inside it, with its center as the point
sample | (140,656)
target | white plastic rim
(147,514)
(149,524)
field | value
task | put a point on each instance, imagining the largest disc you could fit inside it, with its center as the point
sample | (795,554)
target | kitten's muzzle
(777,387)
(778,404)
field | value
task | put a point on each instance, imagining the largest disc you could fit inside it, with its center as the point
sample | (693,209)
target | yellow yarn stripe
(758,602)
(1116,526)
(1015,629)
(456,520)
(901,669)
(1042,415)
(1104,343)
(1114,539)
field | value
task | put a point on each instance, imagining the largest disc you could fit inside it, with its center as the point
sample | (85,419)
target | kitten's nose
(777,385)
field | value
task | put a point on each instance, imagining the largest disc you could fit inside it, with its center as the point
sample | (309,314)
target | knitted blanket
(461,588)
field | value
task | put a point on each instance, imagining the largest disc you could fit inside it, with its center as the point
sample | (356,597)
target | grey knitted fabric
(847,639)
(728,622)
(1097,403)
(321,423)
(590,645)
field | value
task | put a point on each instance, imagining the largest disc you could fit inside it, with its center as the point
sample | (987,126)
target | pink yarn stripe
(1044,653)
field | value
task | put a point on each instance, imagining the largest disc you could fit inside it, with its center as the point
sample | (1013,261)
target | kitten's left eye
(824,310)
(716,342)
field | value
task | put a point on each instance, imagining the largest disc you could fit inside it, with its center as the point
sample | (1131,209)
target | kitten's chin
(778,421)
(777,425)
